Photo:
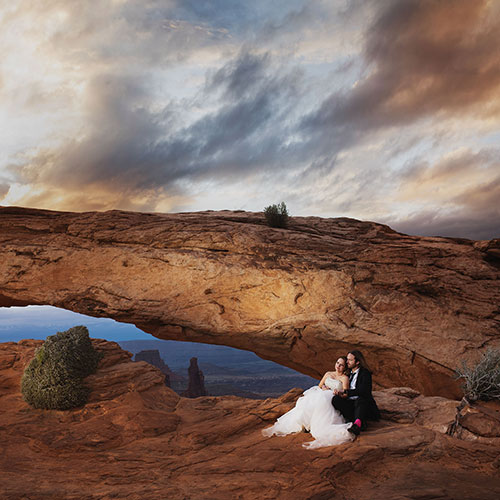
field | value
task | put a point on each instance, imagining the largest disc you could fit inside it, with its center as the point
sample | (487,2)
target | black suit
(362,407)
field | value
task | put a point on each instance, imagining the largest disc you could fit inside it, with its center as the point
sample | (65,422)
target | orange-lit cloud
(459,191)
(101,197)
(448,180)
(437,55)
(424,57)
(4,189)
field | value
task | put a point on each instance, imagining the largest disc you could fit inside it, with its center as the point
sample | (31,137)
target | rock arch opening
(226,370)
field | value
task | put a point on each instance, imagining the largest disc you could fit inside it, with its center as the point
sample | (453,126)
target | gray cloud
(482,226)
(423,57)
(129,148)
(118,144)
(240,77)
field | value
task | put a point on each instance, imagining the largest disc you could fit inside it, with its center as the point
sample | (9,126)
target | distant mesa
(300,297)
(196,382)
(153,358)
(228,371)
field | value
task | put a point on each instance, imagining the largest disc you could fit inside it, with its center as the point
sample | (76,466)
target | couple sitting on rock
(336,410)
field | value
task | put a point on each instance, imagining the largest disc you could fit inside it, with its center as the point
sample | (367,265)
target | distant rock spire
(196,385)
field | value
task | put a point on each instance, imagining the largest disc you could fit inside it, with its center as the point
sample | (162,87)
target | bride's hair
(346,368)
(358,356)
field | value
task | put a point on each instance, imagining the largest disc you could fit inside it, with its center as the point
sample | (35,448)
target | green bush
(481,381)
(277,215)
(54,378)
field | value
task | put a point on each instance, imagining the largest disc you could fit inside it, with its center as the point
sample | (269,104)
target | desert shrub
(277,215)
(54,378)
(482,380)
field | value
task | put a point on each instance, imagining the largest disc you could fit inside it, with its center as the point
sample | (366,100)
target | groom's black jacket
(363,389)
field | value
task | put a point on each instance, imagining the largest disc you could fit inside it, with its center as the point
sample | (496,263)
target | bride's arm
(345,382)
(345,386)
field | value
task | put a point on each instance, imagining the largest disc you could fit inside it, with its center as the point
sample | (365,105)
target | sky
(38,322)
(379,110)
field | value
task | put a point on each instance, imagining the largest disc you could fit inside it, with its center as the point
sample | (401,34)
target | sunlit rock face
(299,296)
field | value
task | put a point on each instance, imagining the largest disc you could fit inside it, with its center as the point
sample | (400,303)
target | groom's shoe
(354,429)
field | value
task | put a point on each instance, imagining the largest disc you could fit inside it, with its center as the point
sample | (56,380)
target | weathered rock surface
(478,422)
(299,297)
(137,439)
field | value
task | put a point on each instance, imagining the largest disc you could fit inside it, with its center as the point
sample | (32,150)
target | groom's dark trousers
(352,409)
(363,406)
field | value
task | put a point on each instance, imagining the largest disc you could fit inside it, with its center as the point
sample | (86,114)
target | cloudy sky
(379,110)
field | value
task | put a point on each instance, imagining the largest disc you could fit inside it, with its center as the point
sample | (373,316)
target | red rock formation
(137,439)
(299,297)
(478,421)
(196,384)
(152,356)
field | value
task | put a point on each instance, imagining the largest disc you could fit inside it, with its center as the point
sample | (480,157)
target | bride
(314,412)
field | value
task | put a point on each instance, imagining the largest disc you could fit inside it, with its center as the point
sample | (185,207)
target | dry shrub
(54,378)
(482,380)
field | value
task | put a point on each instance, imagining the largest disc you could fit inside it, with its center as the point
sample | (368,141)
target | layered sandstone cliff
(299,297)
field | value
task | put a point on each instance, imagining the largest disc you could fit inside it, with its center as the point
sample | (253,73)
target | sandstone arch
(298,296)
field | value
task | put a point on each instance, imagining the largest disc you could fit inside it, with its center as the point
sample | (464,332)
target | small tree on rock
(277,215)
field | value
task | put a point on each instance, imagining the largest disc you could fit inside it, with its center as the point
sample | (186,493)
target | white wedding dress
(314,412)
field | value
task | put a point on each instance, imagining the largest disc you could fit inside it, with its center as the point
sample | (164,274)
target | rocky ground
(137,439)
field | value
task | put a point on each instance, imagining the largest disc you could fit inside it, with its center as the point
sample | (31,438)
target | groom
(356,403)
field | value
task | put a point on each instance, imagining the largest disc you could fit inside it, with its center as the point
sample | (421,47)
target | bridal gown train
(314,412)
